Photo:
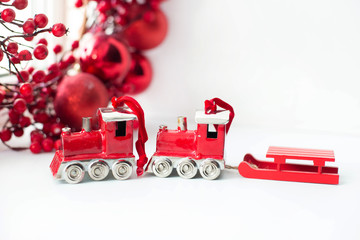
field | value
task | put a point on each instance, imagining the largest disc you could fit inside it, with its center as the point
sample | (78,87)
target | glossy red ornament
(139,76)
(79,96)
(105,57)
(147,32)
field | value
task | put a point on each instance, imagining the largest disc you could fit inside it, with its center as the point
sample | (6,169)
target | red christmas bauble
(147,32)
(139,76)
(79,96)
(105,57)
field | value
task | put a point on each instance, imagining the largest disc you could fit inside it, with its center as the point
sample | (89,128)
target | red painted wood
(301,153)
(280,170)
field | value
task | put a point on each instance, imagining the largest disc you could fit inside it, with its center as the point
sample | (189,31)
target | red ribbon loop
(142,134)
(211,106)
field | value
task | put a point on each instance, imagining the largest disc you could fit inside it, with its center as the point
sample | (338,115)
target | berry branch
(28,102)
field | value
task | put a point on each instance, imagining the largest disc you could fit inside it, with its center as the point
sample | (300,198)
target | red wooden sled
(280,170)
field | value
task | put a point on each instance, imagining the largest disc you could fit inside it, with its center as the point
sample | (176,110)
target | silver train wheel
(122,170)
(98,170)
(162,167)
(74,173)
(187,168)
(210,169)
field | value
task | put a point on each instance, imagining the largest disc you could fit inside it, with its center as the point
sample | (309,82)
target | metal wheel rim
(187,169)
(162,167)
(122,170)
(210,170)
(98,170)
(74,173)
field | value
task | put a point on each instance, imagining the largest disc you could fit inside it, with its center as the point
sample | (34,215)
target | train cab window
(120,129)
(211,131)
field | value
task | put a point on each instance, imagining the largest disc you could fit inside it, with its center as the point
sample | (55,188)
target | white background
(288,64)
(289,68)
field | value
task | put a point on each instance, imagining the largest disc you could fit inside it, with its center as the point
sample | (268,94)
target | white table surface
(35,206)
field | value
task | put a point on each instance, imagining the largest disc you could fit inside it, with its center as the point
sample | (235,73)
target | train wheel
(162,167)
(74,173)
(210,169)
(187,168)
(98,170)
(122,170)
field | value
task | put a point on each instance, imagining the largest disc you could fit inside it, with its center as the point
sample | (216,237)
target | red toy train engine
(98,151)
(191,150)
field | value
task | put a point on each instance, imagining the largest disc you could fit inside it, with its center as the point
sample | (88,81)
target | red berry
(29,26)
(35,147)
(57,49)
(53,68)
(12,47)
(18,132)
(24,55)
(26,89)
(20,4)
(56,129)
(5,135)
(29,99)
(39,76)
(63,65)
(57,144)
(43,41)
(8,15)
(103,6)
(25,76)
(20,105)
(41,117)
(41,52)
(70,59)
(24,121)
(47,144)
(14,117)
(29,38)
(41,103)
(41,20)
(31,69)
(15,60)
(46,128)
(36,136)
(58,30)
(74,45)
(79,3)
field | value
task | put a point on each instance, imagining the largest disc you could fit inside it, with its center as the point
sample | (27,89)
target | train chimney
(182,123)
(86,124)
(66,130)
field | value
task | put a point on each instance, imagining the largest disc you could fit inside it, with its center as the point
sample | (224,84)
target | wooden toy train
(110,148)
